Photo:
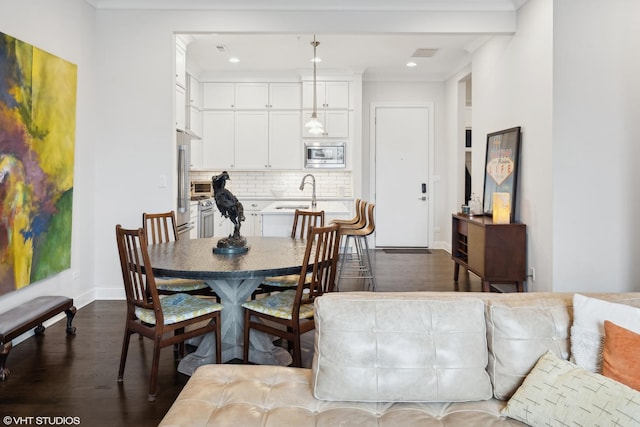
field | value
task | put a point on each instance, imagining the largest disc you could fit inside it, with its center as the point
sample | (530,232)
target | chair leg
(245,343)
(369,264)
(342,260)
(297,351)
(153,381)
(218,338)
(179,347)
(123,354)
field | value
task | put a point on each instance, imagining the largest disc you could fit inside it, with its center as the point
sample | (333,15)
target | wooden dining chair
(293,309)
(303,221)
(161,228)
(163,319)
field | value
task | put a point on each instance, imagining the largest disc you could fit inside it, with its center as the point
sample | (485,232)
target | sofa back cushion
(523,327)
(520,329)
(400,347)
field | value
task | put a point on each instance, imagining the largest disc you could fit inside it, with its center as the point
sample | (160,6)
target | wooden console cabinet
(494,252)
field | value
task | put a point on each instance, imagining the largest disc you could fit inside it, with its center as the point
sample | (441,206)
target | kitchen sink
(292,207)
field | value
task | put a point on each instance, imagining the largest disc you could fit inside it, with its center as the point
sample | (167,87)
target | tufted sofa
(394,359)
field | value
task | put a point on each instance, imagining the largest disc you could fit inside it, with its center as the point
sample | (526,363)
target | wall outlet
(532,274)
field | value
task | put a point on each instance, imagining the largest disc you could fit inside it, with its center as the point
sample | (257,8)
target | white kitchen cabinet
(196,153)
(284,96)
(195,92)
(181,64)
(218,135)
(335,124)
(222,227)
(181,111)
(218,96)
(334,95)
(251,226)
(195,121)
(193,219)
(251,96)
(251,139)
(285,147)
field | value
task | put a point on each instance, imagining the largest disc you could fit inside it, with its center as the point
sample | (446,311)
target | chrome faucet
(313,183)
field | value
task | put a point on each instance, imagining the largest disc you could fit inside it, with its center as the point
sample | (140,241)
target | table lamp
(501,208)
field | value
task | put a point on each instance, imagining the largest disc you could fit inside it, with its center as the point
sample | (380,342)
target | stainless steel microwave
(324,155)
(201,189)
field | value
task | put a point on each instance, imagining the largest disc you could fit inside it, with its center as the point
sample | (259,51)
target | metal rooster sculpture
(231,208)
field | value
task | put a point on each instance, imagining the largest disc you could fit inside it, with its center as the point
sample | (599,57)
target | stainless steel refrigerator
(184,183)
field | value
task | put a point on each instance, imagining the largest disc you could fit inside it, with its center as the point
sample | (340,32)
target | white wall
(452,187)
(134,68)
(596,145)
(512,86)
(65,28)
(411,93)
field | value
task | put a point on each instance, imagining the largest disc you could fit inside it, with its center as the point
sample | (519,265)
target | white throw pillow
(559,393)
(587,332)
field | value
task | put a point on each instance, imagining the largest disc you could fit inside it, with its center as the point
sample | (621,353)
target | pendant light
(313,125)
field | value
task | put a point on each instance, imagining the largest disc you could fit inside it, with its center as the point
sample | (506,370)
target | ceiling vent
(424,53)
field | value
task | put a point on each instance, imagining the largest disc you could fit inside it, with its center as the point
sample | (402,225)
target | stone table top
(194,258)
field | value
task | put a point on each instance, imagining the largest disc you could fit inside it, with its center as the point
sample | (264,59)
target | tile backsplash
(329,184)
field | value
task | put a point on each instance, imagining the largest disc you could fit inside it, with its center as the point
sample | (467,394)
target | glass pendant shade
(314,125)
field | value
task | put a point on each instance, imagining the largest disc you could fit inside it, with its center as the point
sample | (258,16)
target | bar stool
(349,222)
(358,265)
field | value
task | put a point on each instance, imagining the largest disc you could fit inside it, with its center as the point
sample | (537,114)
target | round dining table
(233,277)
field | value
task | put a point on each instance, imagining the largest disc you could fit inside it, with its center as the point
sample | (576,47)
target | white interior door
(402,138)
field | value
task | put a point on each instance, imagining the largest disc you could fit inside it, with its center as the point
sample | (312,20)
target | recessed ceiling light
(411,64)
(234,60)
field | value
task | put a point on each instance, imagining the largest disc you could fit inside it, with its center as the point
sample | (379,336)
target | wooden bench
(20,319)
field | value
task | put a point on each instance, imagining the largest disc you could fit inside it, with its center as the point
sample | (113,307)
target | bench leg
(4,353)
(70,312)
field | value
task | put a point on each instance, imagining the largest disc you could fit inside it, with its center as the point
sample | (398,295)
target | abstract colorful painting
(37,138)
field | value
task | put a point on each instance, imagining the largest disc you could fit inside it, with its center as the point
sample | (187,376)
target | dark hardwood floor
(54,375)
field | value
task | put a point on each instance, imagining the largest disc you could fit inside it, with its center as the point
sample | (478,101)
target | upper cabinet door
(333,95)
(181,110)
(336,95)
(181,65)
(252,96)
(218,96)
(285,145)
(195,92)
(218,136)
(285,96)
(251,139)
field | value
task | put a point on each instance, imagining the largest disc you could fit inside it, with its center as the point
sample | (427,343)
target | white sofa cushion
(398,347)
(587,331)
(560,393)
(275,396)
(520,329)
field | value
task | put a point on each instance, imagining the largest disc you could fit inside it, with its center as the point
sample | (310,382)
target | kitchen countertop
(288,207)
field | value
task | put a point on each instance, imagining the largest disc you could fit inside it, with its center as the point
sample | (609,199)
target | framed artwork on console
(501,167)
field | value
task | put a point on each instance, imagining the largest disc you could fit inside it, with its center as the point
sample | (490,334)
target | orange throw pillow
(621,356)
